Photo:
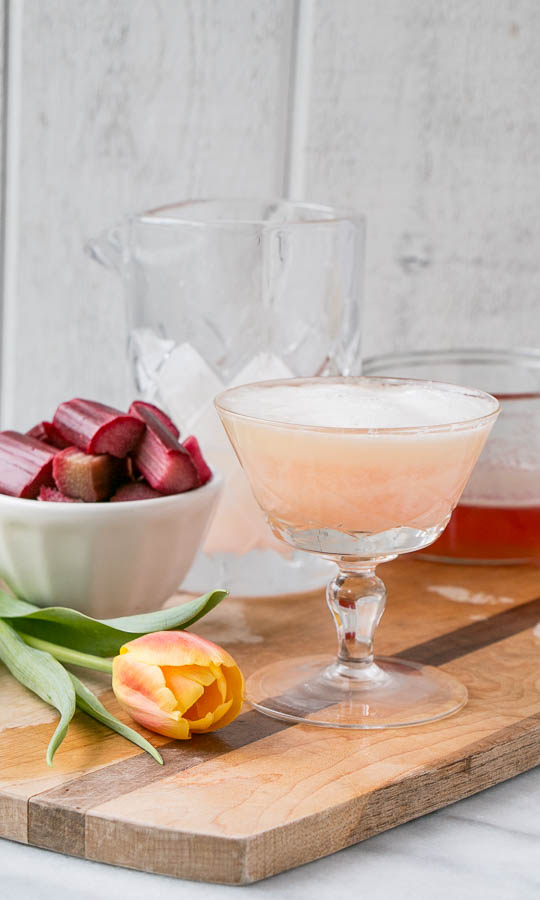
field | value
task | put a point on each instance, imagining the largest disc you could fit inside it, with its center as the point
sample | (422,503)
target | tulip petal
(220,711)
(221,681)
(142,691)
(203,724)
(235,692)
(210,699)
(201,674)
(186,691)
(144,679)
(175,683)
(176,648)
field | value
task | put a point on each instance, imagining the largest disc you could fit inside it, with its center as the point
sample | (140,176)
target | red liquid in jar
(490,533)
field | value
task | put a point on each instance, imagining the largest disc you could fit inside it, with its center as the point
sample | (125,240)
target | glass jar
(224,292)
(498,517)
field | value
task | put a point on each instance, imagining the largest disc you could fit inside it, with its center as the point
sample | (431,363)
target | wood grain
(263,796)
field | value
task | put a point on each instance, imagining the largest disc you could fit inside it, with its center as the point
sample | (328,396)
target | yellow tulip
(176,683)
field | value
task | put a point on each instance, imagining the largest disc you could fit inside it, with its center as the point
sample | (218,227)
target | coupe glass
(358,496)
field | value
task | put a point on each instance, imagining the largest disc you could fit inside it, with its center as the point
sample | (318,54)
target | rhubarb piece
(25,464)
(138,490)
(48,434)
(52,495)
(138,405)
(85,476)
(194,449)
(166,464)
(128,470)
(95,428)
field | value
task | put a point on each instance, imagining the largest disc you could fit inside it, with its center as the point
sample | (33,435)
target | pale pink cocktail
(359,470)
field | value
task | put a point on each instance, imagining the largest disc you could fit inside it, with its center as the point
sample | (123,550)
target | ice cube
(262,367)
(187,386)
(149,352)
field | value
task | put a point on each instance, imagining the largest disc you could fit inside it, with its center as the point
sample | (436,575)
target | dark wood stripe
(65,831)
(475,636)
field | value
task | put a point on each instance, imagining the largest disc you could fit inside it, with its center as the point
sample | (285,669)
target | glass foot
(388,693)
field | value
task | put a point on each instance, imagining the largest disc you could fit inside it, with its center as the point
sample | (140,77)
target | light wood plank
(302,770)
(322,781)
(424,116)
(262,796)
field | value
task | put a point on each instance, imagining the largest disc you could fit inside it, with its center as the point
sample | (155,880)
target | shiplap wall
(424,115)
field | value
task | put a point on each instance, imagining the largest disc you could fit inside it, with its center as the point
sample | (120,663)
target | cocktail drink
(358,470)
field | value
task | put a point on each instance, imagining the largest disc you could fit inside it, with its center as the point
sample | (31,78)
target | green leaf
(89,703)
(61,625)
(43,675)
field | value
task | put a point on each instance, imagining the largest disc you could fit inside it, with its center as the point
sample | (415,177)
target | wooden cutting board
(263,796)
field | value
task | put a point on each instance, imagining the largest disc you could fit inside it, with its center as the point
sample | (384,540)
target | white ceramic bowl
(104,559)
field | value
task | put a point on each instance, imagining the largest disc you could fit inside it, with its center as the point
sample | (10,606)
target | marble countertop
(484,848)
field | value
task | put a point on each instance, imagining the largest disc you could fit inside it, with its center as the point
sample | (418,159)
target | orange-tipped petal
(219,713)
(146,680)
(207,703)
(221,681)
(186,691)
(200,725)
(176,648)
(201,674)
(235,693)
(175,682)
(142,691)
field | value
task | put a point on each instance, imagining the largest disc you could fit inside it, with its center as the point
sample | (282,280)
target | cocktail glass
(357,470)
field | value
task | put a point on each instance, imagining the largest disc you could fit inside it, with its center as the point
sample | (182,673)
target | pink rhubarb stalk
(166,464)
(194,449)
(25,464)
(96,428)
(52,495)
(85,476)
(140,405)
(137,490)
(48,434)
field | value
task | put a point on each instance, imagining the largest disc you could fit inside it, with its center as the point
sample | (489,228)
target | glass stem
(356,598)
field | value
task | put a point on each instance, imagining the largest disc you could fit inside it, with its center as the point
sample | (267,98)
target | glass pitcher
(224,292)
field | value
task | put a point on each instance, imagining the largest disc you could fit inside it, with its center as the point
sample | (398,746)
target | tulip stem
(66,655)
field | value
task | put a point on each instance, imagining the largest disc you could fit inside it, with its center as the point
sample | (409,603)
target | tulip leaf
(70,628)
(89,703)
(43,675)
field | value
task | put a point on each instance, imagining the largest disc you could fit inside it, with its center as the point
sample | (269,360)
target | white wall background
(424,115)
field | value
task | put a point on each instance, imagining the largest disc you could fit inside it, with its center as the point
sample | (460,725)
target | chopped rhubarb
(128,470)
(96,428)
(138,490)
(194,449)
(85,476)
(25,464)
(52,495)
(166,464)
(138,405)
(48,434)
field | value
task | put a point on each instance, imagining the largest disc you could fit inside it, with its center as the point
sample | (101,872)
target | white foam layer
(363,403)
